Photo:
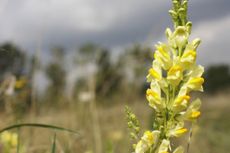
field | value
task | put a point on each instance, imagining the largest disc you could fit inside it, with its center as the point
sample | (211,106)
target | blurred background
(77,63)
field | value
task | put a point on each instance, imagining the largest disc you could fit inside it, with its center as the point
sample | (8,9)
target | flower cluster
(173,75)
(8,142)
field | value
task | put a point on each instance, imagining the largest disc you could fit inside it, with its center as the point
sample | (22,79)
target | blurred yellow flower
(20,83)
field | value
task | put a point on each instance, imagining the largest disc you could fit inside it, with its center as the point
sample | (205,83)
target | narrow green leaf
(38,126)
(54,144)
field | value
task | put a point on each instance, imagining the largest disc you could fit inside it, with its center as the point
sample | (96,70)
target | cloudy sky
(112,23)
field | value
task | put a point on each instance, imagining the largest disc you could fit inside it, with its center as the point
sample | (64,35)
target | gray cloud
(110,23)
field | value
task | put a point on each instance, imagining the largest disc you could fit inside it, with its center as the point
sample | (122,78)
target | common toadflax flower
(173,76)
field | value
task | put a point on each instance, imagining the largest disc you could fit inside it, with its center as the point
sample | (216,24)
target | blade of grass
(18,139)
(54,144)
(38,126)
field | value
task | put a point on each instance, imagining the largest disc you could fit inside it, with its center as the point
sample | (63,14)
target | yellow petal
(153,73)
(180,99)
(175,75)
(196,83)
(197,80)
(188,58)
(195,115)
(181,131)
(174,70)
(191,53)
(163,52)
(162,56)
(149,136)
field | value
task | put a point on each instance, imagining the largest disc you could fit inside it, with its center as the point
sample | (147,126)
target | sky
(115,24)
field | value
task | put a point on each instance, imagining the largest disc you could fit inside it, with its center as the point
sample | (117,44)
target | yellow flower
(179,150)
(148,139)
(154,72)
(163,52)
(9,138)
(180,36)
(6,137)
(179,100)
(175,75)
(193,112)
(14,139)
(154,99)
(163,146)
(188,58)
(20,83)
(151,93)
(162,56)
(180,103)
(180,132)
(141,147)
(196,83)
(194,115)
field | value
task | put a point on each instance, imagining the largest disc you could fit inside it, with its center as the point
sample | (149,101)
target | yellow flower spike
(196,83)
(175,75)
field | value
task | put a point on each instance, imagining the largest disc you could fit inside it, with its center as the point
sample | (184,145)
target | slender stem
(189,138)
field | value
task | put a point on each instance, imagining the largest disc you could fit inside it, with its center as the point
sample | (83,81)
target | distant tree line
(121,77)
(112,76)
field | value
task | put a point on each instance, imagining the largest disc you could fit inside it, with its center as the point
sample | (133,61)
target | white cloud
(108,22)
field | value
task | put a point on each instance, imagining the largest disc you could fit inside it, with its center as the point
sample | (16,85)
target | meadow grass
(211,135)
